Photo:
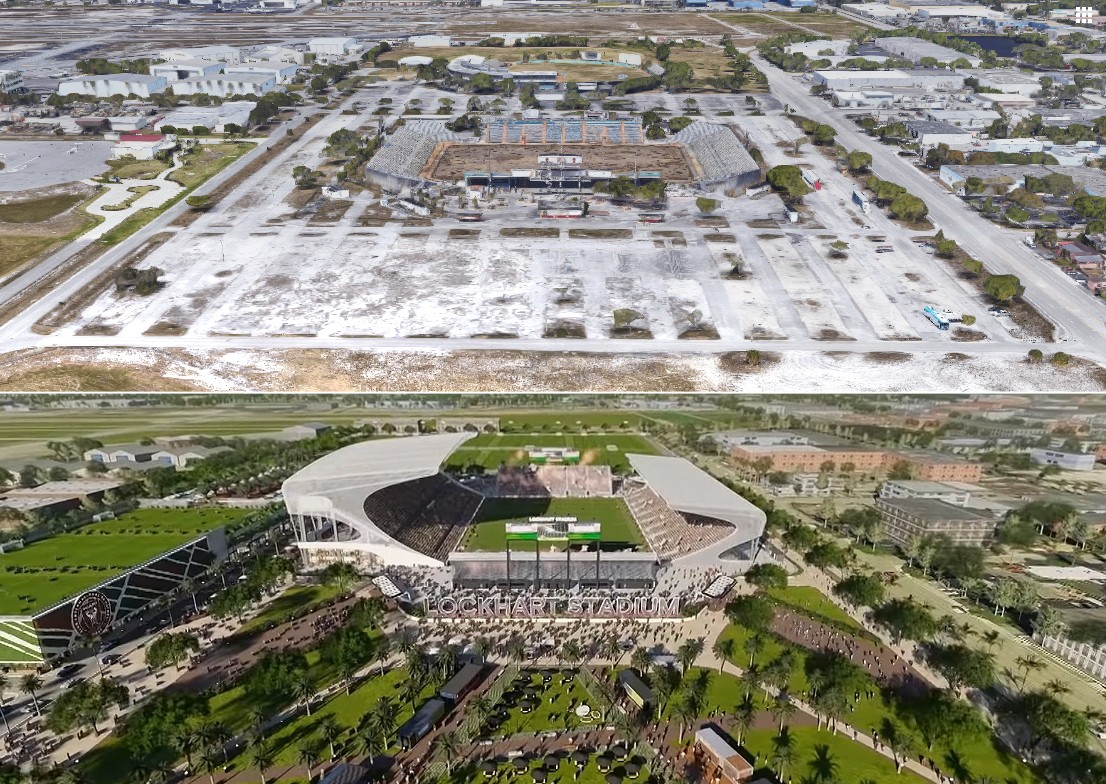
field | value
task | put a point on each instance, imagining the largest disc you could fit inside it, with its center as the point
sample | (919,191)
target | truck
(861,201)
(936,318)
(421,723)
(811,179)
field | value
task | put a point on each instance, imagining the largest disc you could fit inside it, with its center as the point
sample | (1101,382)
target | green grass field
(69,563)
(493,450)
(813,602)
(488,531)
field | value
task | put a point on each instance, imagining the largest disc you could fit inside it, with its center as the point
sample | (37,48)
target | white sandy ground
(507,371)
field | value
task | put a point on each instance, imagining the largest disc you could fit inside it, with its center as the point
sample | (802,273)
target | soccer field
(46,572)
(494,450)
(488,531)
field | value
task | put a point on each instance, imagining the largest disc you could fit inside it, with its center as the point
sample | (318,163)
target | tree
(858,161)
(307,754)
(1060,359)
(753,612)
(169,649)
(766,575)
(788,179)
(706,205)
(86,705)
(1036,355)
(262,758)
(723,648)
(908,207)
(1002,288)
(448,747)
(905,619)
(860,590)
(783,751)
(744,717)
(331,730)
(963,666)
(29,684)
(688,652)
(340,576)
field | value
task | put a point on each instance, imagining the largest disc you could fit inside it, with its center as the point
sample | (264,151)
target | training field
(493,450)
(488,531)
(47,572)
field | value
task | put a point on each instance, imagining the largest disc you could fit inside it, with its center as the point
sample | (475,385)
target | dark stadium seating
(671,534)
(428,515)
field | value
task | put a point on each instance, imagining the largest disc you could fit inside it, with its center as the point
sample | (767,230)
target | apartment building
(907,518)
(805,458)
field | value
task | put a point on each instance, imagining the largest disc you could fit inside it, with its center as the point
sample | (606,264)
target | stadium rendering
(388,507)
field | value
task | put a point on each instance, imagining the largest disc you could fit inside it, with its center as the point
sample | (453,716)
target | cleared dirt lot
(451,161)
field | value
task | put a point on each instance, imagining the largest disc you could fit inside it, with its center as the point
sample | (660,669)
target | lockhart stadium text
(553,606)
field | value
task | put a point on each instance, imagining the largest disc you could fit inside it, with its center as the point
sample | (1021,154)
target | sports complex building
(86,616)
(561,153)
(387,504)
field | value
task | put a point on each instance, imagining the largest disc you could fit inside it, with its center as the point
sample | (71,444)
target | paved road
(1080,320)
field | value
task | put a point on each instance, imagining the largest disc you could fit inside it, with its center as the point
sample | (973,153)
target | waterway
(1001,45)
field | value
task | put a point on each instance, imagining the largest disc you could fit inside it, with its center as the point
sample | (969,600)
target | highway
(1079,318)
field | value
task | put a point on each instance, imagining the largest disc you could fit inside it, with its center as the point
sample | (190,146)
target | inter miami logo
(91,614)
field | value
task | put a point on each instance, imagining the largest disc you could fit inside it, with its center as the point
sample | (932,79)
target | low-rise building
(226,86)
(909,518)
(426,41)
(143,146)
(282,72)
(214,118)
(211,54)
(180,457)
(952,494)
(332,47)
(305,430)
(275,53)
(186,69)
(930,133)
(1069,461)
(918,49)
(1007,80)
(122,454)
(108,85)
(57,497)
(732,438)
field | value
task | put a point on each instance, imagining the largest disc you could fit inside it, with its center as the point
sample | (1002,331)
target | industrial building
(909,518)
(212,54)
(931,78)
(214,118)
(275,53)
(226,86)
(143,146)
(930,133)
(282,72)
(916,49)
(1069,461)
(105,86)
(177,70)
(332,47)
(1007,81)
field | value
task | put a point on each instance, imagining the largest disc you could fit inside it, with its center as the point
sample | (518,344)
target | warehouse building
(1069,461)
(916,49)
(332,47)
(107,85)
(226,86)
(282,73)
(930,78)
(909,518)
(212,54)
(214,118)
(930,133)
(11,81)
(1007,81)
(177,70)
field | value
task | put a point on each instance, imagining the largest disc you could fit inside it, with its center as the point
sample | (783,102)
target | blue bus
(932,314)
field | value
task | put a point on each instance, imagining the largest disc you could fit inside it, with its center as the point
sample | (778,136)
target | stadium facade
(387,504)
(95,612)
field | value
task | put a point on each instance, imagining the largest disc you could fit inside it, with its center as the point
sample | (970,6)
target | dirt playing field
(450,161)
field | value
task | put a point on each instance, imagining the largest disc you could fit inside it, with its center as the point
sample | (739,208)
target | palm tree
(687,653)
(783,707)
(304,691)
(331,730)
(723,648)
(687,712)
(991,638)
(1025,665)
(186,741)
(751,680)
(30,684)
(262,757)
(640,660)
(571,653)
(744,717)
(783,751)
(481,708)
(448,746)
(387,711)
(823,766)
(308,755)
(372,738)
(754,645)
(210,761)
(258,717)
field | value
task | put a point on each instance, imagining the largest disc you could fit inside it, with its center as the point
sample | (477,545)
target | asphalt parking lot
(32,164)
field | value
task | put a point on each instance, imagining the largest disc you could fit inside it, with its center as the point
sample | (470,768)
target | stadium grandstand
(387,504)
(721,156)
(400,160)
(565,131)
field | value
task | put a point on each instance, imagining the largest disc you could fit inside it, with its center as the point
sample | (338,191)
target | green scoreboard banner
(544,529)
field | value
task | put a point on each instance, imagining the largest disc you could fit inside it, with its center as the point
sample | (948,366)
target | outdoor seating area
(720,153)
(670,533)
